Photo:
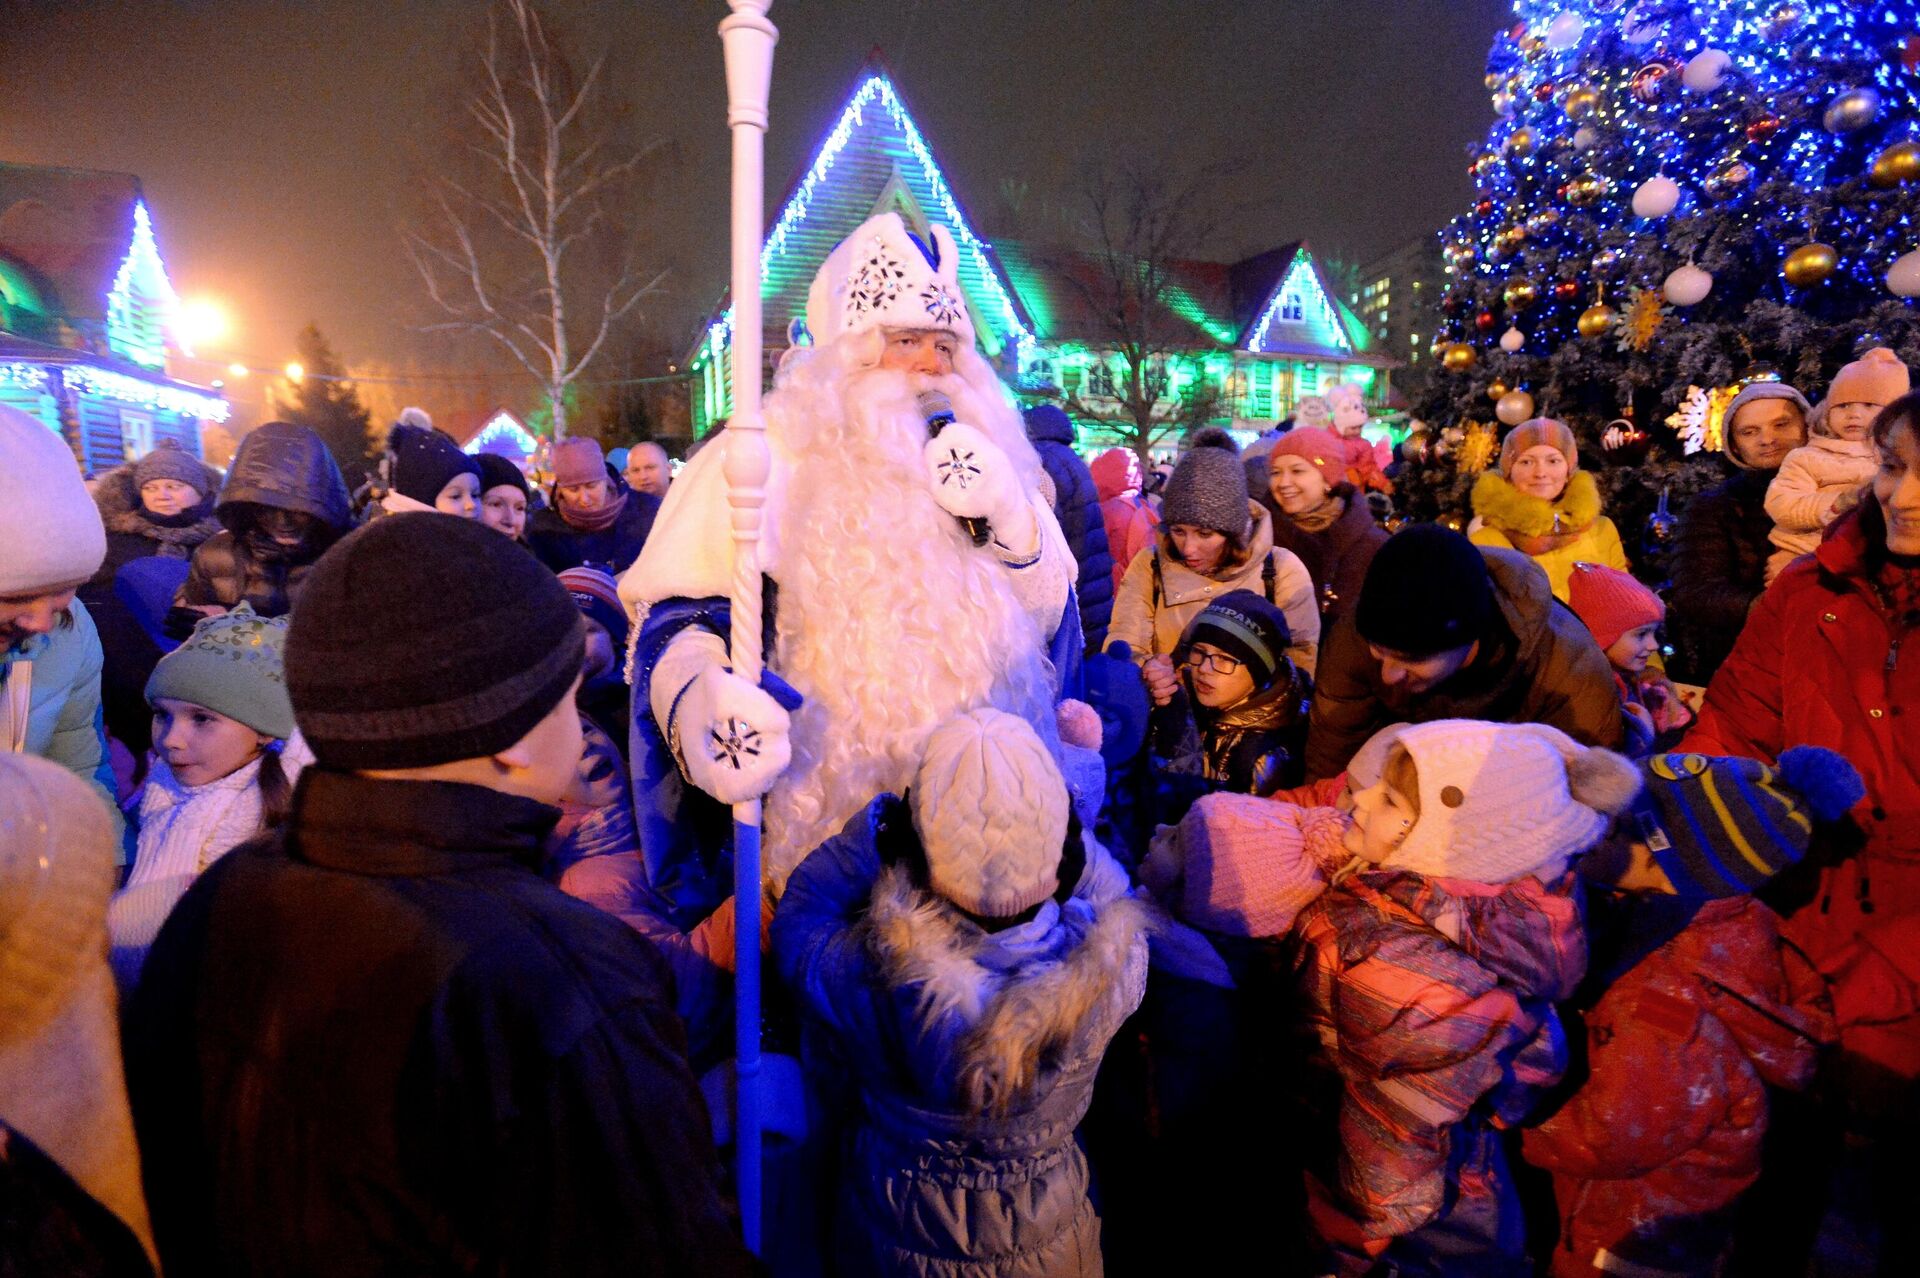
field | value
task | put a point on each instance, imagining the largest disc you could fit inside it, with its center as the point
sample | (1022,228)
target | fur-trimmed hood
(1013,1005)
(1500,505)
(121,512)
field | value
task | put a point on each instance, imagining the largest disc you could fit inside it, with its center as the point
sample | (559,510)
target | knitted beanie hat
(500,472)
(1244,625)
(421,640)
(425,461)
(61,1084)
(1209,488)
(1250,865)
(50,530)
(1533,432)
(1612,602)
(1313,413)
(170,461)
(597,595)
(991,811)
(1427,591)
(1724,826)
(1753,393)
(232,665)
(1501,801)
(578,460)
(1326,450)
(1878,377)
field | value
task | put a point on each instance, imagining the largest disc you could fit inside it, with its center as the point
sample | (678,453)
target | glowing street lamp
(204,322)
(295,371)
(237,371)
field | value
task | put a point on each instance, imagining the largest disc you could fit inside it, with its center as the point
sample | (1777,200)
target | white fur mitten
(973,476)
(731,737)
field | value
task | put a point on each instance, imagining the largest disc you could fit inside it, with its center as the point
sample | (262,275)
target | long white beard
(889,619)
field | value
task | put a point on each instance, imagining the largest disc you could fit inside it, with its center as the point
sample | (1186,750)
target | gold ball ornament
(1596,321)
(1581,102)
(1497,388)
(1785,19)
(1514,407)
(1810,264)
(1520,142)
(1897,164)
(1458,358)
(1520,294)
(1585,189)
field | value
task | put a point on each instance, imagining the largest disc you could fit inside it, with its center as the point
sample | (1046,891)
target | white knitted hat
(50,530)
(60,1079)
(991,811)
(1501,801)
(882,276)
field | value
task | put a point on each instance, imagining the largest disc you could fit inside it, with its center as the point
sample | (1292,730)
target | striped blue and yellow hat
(1724,826)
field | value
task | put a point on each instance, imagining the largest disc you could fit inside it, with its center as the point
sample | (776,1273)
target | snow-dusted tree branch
(525,239)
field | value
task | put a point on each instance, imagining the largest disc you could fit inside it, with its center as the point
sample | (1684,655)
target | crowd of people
(1161,870)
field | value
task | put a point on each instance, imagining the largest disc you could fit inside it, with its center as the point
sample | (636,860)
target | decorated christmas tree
(1673,197)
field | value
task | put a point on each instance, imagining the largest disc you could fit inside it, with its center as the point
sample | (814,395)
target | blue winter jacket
(1076,505)
(64,721)
(971,1056)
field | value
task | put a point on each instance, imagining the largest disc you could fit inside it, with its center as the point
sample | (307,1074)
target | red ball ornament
(1650,81)
(1566,290)
(1484,321)
(1483,208)
(1762,127)
(1543,92)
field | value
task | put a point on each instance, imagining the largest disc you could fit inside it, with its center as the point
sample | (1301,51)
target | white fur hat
(882,276)
(991,811)
(50,530)
(1501,801)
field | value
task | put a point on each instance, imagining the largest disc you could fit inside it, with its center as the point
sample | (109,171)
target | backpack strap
(1159,586)
(1266,579)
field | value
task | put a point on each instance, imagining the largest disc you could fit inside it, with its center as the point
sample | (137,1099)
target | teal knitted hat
(232,666)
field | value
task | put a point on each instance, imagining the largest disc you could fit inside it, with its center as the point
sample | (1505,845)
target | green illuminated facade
(1264,332)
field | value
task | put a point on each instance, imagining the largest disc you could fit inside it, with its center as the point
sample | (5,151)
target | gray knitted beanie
(1209,487)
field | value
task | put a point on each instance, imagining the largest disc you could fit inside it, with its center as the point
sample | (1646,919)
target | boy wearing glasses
(1238,721)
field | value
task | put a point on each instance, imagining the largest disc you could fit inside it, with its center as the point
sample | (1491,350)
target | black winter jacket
(1719,568)
(1076,505)
(1337,557)
(380,1043)
(560,546)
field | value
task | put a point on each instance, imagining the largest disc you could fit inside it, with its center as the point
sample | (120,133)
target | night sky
(277,141)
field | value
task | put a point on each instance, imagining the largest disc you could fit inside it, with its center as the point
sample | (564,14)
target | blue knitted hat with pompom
(1724,826)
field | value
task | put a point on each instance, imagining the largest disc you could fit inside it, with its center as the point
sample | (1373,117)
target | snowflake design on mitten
(958,470)
(942,306)
(877,282)
(733,740)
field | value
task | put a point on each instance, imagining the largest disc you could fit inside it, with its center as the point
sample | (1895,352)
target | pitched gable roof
(1300,313)
(1061,288)
(873,159)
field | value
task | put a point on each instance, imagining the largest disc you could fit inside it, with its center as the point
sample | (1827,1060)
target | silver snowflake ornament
(877,282)
(941,304)
(732,741)
(958,470)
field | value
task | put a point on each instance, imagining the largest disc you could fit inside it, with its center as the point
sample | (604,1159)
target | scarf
(1321,517)
(1536,526)
(593,521)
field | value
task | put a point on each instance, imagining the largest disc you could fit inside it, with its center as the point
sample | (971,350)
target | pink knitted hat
(1326,450)
(1878,377)
(1250,865)
(1535,431)
(1611,602)
(578,460)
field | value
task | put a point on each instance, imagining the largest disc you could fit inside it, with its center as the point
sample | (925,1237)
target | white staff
(748,38)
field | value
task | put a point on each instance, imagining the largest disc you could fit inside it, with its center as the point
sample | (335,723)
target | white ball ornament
(1903,278)
(1706,70)
(1585,138)
(1656,197)
(1566,31)
(1688,285)
(1512,340)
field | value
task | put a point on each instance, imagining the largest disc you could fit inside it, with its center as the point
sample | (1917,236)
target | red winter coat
(1129,519)
(1432,1003)
(1649,1156)
(1820,663)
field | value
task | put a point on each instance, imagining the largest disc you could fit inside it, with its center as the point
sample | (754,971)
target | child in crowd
(1625,618)
(1429,977)
(220,773)
(1702,1010)
(1129,518)
(968,954)
(604,697)
(283,504)
(426,470)
(1238,720)
(1348,409)
(1824,478)
(503,496)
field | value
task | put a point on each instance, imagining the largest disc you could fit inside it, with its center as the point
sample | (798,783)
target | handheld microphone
(938,410)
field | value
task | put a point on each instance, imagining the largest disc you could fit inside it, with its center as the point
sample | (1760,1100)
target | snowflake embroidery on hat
(877,282)
(942,306)
(957,470)
(732,740)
